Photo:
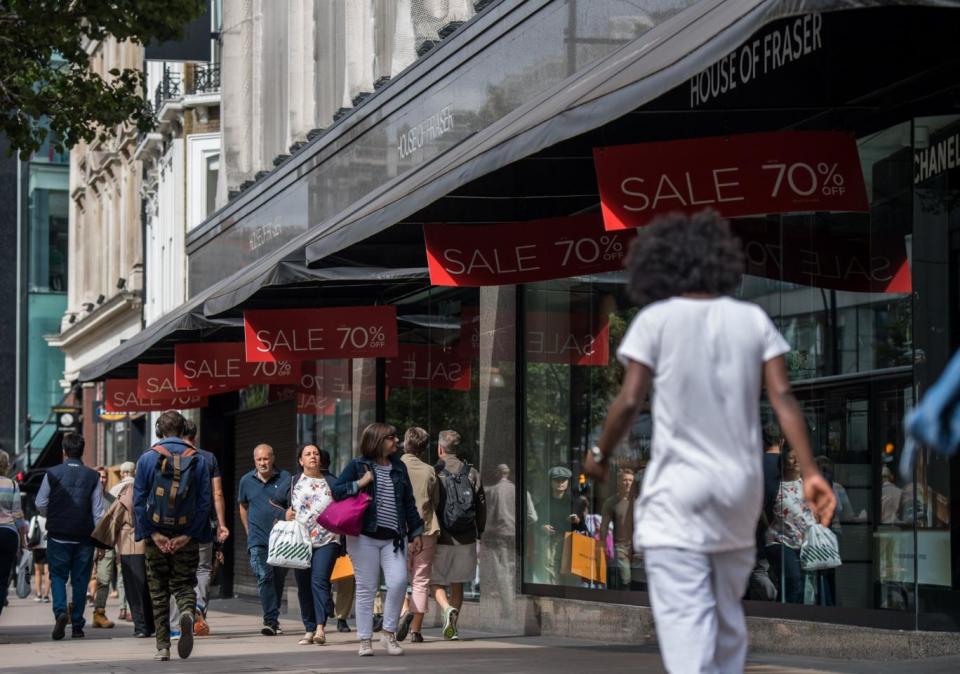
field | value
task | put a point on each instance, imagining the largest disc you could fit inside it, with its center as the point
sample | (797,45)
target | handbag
(290,545)
(345,517)
(820,549)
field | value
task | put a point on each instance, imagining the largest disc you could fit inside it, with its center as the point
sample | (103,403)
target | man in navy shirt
(71,499)
(264,496)
(172,556)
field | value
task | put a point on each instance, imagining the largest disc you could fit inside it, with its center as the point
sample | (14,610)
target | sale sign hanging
(223,363)
(821,259)
(121,396)
(156,382)
(429,366)
(271,335)
(739,176)
(522,252)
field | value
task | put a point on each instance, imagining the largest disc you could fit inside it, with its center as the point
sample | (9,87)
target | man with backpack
(462,515)
(69,546)
(172,506)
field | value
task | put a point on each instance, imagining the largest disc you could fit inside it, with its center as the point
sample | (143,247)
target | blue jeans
(786,573)
(269,583)
(73,561)
(313,587)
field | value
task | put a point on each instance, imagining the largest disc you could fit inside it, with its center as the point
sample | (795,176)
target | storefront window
(851,293)
(336,400)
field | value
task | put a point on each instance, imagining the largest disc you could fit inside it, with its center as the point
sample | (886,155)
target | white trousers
(696,600)
(369,556)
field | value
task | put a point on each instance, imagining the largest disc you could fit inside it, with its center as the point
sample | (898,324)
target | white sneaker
(366,647)
(389,641)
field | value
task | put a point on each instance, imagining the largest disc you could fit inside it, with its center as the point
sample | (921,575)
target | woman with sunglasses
(390,522)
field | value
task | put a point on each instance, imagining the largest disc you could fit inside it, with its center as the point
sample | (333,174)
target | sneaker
(185,645)
(37,598)
(389,641)
(162,654)
(77,633)
(46,600)
(276,629)
(201,628)
(60,627)
(270,630)
(404,627)
(416,638)
(450,623)
(174,635)
(366,647)
(377,622)
(342,626)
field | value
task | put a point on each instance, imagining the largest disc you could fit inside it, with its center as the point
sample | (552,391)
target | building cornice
(117,309)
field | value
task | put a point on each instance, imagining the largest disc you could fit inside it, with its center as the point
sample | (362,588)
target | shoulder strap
(293,483)
(161,450)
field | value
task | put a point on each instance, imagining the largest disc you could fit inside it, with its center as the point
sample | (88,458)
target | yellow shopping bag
(583,556)
(342,569)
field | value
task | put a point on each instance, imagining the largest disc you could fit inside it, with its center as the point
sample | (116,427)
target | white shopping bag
(289,546)
(820,549)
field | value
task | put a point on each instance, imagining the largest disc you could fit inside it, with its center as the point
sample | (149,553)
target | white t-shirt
(703,487)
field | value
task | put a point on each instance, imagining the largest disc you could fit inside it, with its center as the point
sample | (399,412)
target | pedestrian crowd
(155,534)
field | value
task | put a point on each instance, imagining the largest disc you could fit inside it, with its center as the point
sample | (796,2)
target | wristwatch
(598,457)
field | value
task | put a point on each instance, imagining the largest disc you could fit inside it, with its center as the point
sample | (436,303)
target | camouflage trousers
(175,575)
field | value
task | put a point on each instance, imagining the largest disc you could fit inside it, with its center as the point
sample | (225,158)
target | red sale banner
(155,382)
(743,175)
(429,366)
(522,252)
(551,337)
(121,396)
(307,334)
(861,264)
(222,363)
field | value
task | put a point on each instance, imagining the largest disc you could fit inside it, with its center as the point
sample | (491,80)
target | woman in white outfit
(705,355)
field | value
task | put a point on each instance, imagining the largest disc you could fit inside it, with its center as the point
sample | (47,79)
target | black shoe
(142,635)
(404,628)
(416,638)
(77,633)
(269,631)
(342,626)
(377,622)
(60,627)
(185,645)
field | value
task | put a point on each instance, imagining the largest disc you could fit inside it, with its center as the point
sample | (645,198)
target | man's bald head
(263,459)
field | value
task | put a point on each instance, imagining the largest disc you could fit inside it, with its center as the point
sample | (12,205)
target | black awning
(628,78)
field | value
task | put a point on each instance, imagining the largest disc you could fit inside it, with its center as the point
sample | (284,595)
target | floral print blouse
(311,496)
(791,516)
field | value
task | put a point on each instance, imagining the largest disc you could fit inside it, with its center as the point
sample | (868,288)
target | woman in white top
(705,355)
(310,496)
(41,572)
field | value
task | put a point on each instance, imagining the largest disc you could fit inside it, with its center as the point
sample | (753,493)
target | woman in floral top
(791,519)
(310,496)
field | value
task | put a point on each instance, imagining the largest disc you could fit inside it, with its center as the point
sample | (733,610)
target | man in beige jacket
(426,492)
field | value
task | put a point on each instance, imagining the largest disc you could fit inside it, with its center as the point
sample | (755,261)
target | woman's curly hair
(679,254)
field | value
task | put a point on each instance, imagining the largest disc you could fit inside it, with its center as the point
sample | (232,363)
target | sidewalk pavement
(236,647)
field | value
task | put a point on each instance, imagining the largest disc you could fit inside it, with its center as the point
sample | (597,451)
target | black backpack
(171,502)
(459,512)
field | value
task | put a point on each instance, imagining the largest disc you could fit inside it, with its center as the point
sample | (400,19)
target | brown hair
(371,442)
(170,425)
(415,440)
